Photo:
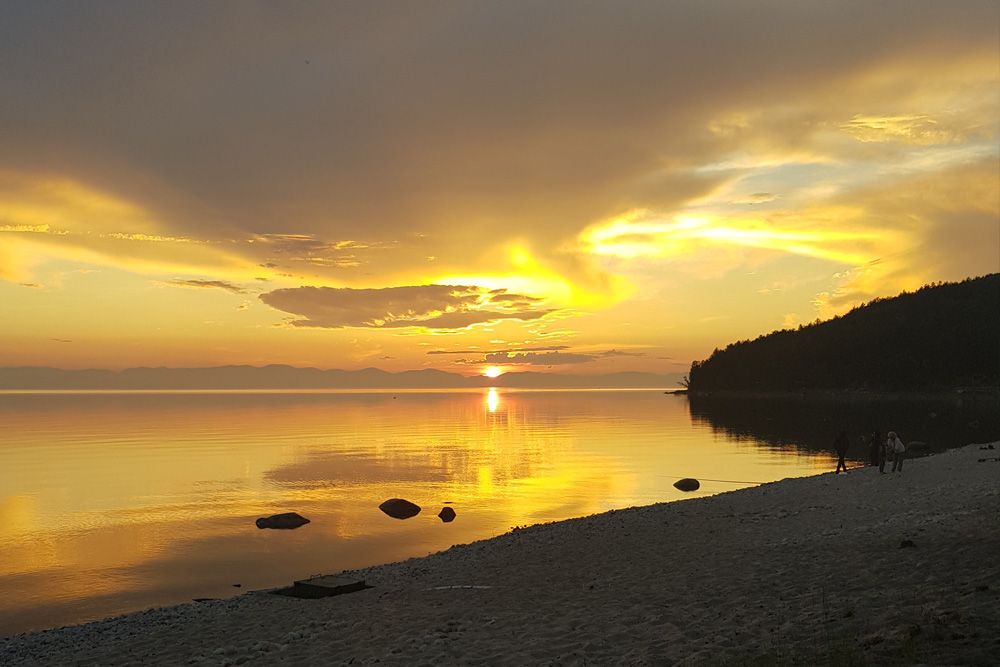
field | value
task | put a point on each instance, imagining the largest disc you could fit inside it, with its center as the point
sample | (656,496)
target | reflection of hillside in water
(812,423)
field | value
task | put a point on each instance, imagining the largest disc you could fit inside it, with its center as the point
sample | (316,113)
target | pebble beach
(849,569)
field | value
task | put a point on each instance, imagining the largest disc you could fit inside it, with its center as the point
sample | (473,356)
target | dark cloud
(540,356)
(503,297)
(547,348)
(430,306)
(536,358)
(456,119)
(308,249)
(462,319)
(219,284)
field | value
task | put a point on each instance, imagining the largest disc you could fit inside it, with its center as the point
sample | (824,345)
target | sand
(802,571)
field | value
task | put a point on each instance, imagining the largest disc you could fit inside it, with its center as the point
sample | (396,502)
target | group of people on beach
(880,450)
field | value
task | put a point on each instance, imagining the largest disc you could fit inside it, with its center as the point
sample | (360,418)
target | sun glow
(493,371)
(641,233)
(492,400)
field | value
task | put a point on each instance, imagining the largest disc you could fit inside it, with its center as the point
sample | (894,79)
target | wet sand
(803,571)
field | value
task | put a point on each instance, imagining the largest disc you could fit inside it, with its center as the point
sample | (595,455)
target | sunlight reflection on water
(123,501)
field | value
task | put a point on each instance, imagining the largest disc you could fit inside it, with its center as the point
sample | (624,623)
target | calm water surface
(116,502)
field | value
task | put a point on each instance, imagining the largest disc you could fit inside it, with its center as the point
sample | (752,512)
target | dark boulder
(286,521)
(447,514)
(687,484)
(398,508)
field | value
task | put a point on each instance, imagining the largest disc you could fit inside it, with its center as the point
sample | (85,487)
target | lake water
(111,503)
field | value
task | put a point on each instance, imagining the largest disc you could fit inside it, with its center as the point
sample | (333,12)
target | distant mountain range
(942,336)
(290,377)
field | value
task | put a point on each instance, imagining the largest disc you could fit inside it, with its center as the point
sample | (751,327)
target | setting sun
(493,371)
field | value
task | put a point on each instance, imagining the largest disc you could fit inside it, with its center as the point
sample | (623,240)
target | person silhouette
(840,444)
(896,447)
(882,453)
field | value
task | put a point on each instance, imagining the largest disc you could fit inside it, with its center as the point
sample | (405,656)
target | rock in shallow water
(687,484)
(398,508)
(447,514)
(286,521)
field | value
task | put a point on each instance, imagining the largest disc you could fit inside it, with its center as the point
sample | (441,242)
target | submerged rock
(687,484)
(399,508)
(447,514)
(286,521)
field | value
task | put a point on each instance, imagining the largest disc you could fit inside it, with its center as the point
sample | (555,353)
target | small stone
(398,508)
(687,484)
(907,544)
(286,521)
(447,515)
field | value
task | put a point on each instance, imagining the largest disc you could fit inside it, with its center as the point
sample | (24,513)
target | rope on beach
(706,479)
(724,481)
(734,481)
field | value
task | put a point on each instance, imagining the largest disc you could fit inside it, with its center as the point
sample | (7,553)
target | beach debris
(447,514)
(398,508)
(323,586)
(285,521)
(687,484)
(907,544)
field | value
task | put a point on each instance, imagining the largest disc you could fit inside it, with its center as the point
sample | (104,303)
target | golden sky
(581,187)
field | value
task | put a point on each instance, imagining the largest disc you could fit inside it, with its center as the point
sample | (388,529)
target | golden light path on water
(125,501)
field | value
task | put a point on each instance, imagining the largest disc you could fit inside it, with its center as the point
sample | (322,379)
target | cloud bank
(426,306)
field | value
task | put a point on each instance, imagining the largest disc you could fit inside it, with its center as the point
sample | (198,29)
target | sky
(567,187)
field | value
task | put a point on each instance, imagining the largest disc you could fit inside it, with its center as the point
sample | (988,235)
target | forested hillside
(941,336)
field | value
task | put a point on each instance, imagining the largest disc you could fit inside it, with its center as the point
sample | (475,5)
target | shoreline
(952,393)
(804,570)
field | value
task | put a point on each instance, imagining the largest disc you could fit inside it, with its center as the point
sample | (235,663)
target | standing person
(898,450)
(873,448)
(840,444)
(882,453)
